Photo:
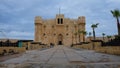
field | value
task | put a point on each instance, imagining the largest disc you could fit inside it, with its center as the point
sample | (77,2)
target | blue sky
(17,16)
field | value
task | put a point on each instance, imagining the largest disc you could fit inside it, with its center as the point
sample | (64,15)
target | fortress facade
(60,30)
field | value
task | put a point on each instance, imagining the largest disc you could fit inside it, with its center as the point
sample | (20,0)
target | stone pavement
(62,57)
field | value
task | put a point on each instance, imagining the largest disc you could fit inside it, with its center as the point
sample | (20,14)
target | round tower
(38,29)
(81,27)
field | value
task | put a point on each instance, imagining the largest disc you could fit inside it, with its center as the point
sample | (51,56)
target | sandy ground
(61,57)
(7,57)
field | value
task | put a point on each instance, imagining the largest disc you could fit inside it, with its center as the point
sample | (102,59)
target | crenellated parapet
(81,20)
(38,20)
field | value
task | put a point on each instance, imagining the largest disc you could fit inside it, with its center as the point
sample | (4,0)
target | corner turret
(81,19)
(38,20)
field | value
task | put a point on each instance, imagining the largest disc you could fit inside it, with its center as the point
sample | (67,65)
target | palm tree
(84,33)
(93,27)
(79,32)
(89,35)
(103,34)
(116,14)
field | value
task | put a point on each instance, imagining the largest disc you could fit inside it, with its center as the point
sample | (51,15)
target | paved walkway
(63,57)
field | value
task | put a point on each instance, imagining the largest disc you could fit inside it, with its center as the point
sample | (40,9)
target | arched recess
(60,39)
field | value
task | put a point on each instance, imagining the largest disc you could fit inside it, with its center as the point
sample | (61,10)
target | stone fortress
(59,31)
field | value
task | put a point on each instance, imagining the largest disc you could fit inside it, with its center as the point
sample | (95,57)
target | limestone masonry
(59,31)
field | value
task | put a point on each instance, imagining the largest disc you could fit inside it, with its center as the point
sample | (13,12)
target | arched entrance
(60,39)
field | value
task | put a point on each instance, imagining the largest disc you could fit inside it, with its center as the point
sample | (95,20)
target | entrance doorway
(60,43)
(60,39)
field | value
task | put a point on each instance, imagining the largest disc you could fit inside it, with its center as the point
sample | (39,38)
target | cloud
(17,17)
(20,33)
(113,1)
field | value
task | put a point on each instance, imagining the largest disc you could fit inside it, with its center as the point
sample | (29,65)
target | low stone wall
(7,50)
(36,46)
(109,50)
(12,50)
(97,47)
(84,46)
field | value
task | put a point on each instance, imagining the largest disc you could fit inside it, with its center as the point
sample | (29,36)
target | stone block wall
(115,50)
(15,49)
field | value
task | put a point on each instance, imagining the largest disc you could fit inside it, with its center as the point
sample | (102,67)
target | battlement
(81,19)
(59,15)
(38,19)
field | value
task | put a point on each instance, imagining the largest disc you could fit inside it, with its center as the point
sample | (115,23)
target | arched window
(44,34)
(60,21)
(53,26)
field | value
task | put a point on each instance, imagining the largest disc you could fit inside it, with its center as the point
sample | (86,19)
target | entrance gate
(60,39)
